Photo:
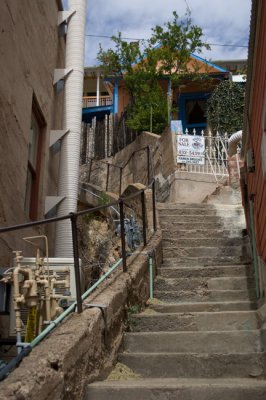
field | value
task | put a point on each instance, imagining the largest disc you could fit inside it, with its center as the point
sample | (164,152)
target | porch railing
(91,101)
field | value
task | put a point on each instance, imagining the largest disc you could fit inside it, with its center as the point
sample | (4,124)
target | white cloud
(223,22)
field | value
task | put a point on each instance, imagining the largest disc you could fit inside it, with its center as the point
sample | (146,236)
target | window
(33,169)
(196,111)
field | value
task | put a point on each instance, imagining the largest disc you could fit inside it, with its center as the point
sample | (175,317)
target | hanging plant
(225,107)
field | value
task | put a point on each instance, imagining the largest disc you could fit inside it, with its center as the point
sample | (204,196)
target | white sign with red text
(190,149)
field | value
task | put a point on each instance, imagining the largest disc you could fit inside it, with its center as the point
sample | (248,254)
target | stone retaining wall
(78,350)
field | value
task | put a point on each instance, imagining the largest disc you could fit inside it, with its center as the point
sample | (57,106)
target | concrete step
(198,212)
(208,271)
(177,233)
(225,342)
(167,206)
(209,307)
(204,251)
(204,295)
(172,224)
(191,219)
(204,260)
(172,389)
(176,365)
(172,241)
(202,283)
(195,321)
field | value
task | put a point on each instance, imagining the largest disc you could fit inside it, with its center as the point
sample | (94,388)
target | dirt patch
(149,311)
(154,302)
(122,373)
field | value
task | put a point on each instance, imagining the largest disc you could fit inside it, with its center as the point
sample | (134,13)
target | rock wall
(82,348)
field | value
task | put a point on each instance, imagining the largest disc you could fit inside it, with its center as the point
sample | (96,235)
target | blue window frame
(192,110)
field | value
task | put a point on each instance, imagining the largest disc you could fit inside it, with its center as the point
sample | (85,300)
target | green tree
(167,54)
(149,111)
(174,44)
(225,107)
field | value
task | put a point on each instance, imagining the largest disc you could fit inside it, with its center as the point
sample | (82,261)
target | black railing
(121,202)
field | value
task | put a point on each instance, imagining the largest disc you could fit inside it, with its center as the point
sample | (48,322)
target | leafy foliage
(167,54)
(103,199)
(149,111)
(174,46)
(226,107)
(130,311)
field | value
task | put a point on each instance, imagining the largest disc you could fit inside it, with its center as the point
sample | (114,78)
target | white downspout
(232,143)
(70,144)
(98,90)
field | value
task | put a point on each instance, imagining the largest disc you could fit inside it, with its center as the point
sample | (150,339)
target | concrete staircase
(203,341)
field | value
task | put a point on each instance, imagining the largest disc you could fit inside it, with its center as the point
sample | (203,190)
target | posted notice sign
(190,149)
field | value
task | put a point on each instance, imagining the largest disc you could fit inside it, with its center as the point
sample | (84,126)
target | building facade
(254,144)
(190,99)
(32,47)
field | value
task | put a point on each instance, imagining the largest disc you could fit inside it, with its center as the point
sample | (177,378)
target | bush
(225,107)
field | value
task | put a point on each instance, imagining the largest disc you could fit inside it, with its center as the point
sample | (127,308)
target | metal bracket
(52,201)
(56,135)
(103,309)
(63,16)
(60,74)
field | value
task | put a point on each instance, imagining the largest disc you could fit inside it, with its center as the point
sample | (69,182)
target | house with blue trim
(190,99)
(97,96)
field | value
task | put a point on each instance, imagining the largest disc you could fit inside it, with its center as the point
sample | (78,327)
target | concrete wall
(189,187)
(172,183)
(30,51)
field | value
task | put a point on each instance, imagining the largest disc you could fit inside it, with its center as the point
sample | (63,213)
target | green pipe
(151,275)
(254,248)
(72,307)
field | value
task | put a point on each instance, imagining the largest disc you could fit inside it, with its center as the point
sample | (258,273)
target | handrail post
(151,162)
(148,164)
(120,181)
(73,218)
(133,167)
(107,178)
(153,206)
(122,225)
(143,217)
(90,170)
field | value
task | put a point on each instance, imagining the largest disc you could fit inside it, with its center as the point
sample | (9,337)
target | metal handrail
(73,218)
(121,167)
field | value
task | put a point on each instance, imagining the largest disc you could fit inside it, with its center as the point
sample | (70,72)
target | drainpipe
(70,144)
(232,143)
(98,90)
(254,245)
(116,97)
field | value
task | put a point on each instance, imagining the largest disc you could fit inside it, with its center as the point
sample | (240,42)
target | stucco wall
(30,49)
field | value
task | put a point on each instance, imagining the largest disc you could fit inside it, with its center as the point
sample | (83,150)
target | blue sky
(222,21)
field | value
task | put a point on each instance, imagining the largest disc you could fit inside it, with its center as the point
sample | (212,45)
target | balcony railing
(91,101)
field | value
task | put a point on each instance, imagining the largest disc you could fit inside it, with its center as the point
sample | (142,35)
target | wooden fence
(102,139)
